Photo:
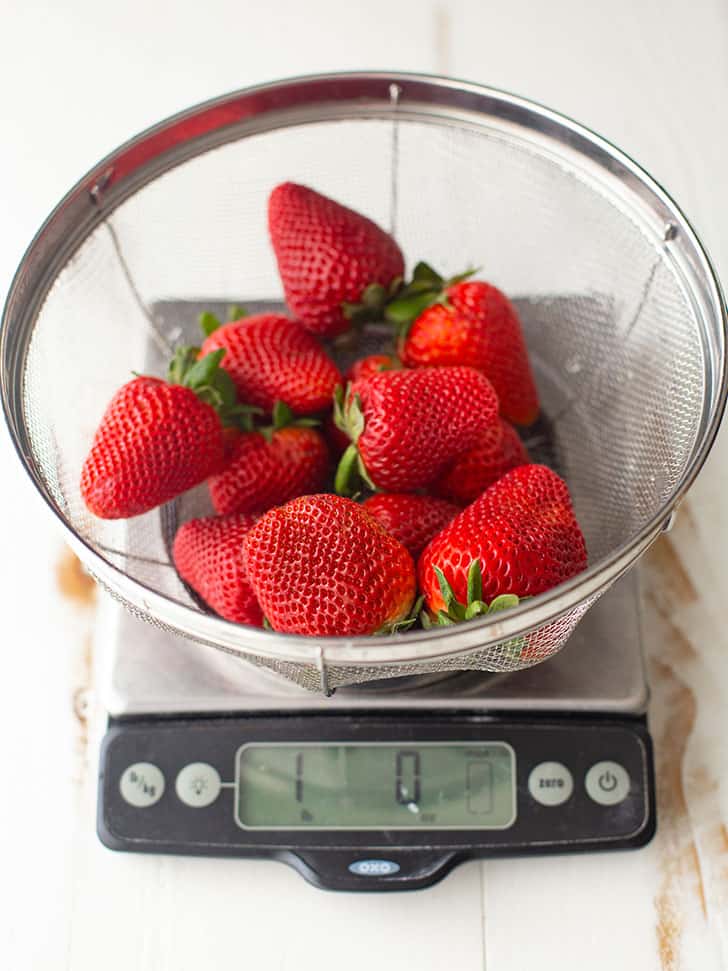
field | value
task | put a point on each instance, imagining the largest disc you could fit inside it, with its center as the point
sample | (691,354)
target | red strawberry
(473,323)
(327,256)
(272,358)
(523,533)
(321,565)
(270,466)
(413,520)
(498,451)
(373,364)
(207,555)
(158,439)
(409,426)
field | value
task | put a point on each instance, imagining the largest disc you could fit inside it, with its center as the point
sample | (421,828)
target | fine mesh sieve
(620,306)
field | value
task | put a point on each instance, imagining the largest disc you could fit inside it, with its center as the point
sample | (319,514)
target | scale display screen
(332,786)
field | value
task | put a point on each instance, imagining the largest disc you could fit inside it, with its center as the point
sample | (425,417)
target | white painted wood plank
(42,741)
(193,913)
(591,912)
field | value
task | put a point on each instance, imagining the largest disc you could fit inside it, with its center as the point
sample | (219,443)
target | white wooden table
(78,77)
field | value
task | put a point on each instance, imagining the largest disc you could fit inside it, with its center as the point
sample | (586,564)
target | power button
(607,783)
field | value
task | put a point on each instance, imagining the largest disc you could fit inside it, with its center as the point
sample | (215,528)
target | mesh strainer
(621,308)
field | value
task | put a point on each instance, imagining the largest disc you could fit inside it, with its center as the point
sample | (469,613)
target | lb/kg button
(141,785)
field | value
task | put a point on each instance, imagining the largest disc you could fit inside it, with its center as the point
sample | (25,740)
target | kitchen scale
(380,787)
(378,762)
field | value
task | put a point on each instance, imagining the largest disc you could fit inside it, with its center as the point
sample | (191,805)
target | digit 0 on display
(368,786)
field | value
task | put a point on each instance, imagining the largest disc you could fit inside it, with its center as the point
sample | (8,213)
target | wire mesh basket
(622,313)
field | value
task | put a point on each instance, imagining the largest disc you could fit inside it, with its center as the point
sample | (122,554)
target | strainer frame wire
(346,96)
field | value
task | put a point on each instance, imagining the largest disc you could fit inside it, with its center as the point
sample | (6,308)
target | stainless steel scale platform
(601,671)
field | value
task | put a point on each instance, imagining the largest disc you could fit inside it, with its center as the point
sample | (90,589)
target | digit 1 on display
(407,789)
(299,776)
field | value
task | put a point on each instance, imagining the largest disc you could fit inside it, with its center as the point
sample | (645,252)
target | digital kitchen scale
(381,787)
(390,784)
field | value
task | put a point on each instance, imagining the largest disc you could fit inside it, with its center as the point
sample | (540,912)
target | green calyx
(427,287)
(212,384)
(372,303)
(210,322)
(456,612)
(351,473)
(283,417)
(402,302)
(348,416)
(399,626)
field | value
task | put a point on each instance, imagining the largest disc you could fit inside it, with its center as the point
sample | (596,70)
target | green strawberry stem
(283,417)
(351,474)
(348,414)
(210,322)
(398,626)
(338,415)
(371,304)
(347,479)
(456,612)
(426,288)
(212,384)
(349,418)
(402,303)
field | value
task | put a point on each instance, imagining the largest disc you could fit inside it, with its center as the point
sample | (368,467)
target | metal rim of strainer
(379,95)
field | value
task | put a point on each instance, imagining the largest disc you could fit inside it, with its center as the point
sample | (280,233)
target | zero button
(550,783)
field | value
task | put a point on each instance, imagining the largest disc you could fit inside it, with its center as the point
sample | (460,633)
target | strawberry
(498,451)
(206,553)
(413,520)
(523,533)
(157,438)
(372,364)
(328,256)
(459,321)
(272,358)
(269,466)
(407,427)
(321,565)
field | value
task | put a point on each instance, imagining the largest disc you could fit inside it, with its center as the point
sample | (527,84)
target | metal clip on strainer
(621,307)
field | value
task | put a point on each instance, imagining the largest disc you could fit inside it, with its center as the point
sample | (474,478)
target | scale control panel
(375,802)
